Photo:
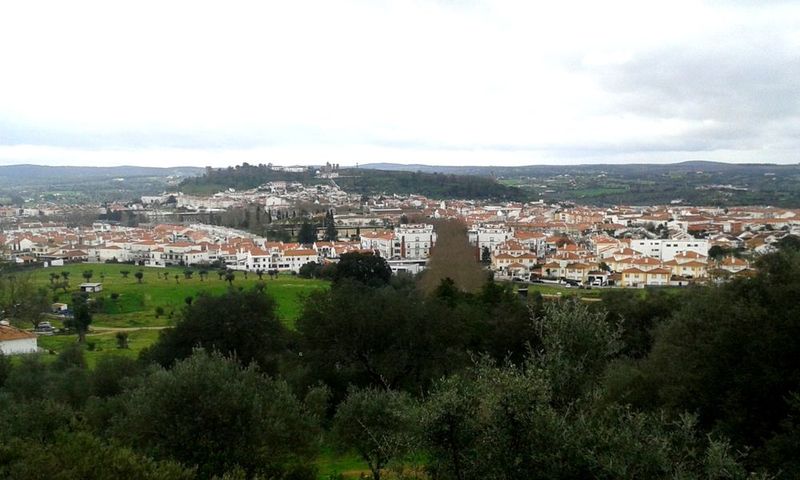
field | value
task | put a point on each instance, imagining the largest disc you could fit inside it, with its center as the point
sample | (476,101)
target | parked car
(44,328)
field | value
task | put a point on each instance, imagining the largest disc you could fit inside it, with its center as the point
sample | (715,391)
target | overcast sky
(165,83)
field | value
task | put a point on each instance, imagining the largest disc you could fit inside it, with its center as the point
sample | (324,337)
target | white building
(15,341)
(666,249)
(414,241)
(381,242)
(489,236)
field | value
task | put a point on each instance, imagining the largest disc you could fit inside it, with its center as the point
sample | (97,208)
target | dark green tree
(378,424)
(366,268)
(208,411)
(307,234)
(241,324)
(81,316)
(331,234)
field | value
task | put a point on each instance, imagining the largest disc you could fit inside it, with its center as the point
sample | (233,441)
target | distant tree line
(363,181)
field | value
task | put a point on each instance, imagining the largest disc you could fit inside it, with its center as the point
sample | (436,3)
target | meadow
(142,309)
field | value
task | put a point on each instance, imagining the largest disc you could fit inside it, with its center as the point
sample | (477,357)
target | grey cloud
(746,84)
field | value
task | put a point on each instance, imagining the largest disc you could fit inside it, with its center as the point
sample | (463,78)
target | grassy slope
(134,310)
(137,302)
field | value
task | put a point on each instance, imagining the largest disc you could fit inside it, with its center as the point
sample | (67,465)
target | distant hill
(38,174)
(358,180)
(631,168)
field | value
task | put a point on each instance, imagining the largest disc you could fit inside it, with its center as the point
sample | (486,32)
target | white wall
(20,345)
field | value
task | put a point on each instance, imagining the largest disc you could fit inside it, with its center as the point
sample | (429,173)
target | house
(633,277)
(733,264)
(59,307)
(15,341)
(91,287)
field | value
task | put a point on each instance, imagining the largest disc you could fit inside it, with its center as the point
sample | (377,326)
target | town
(625,246)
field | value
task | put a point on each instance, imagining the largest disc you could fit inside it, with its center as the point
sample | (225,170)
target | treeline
(442,384)
(363,181)
(240,177)
(432,185)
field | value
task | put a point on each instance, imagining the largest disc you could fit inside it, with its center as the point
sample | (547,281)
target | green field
(134,309)
(136,304)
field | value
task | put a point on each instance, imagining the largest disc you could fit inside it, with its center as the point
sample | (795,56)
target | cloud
(500,82)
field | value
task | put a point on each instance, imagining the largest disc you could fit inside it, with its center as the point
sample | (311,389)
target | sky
(448,82)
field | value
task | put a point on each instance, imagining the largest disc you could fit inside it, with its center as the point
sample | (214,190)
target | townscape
(625,246)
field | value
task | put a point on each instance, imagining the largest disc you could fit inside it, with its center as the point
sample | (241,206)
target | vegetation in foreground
(442,385)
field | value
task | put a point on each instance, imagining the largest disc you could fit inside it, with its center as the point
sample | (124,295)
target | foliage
(378,424)
(241,324)
(81,315)
(576,345)
(22,301)
(371,182)
(81,455)
(331,234)
(728,354)
(639,316)
(210,412)
(363,267)
(307,233)
(382,337)
(501,423)
(310,270)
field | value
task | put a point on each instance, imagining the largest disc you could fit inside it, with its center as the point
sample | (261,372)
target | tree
(81,316)
(576,346)
(122,340)
(65,275)
(331,234)
(187,274)
(728,354)
(81,455)
(363,267)
(139,275)
(125,273)
(383,337)
(486,255)
(378,424)
(307,233)
(177,278)
(717,252)
(230,277)
(243,324)
(22,301)
(640,315)
(310,270)
(211,412)
(159,311)
(260,274)
(87,275)
(203,274)
(789,242)
(501,423)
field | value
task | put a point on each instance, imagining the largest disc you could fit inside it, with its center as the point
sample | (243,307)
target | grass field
(134,308)
(137,302)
